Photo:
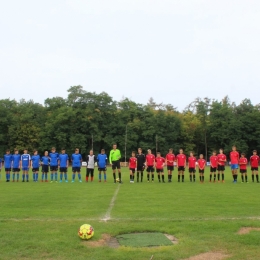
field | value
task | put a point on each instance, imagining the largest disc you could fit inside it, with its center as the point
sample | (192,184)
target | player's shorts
(90,171)
(191,170)
(116,165)
(35,169)
(170,168)
(213,169)
(159,170)
(181,169)
(54,168)
(26,169)
(7,169)
(63,169)
(150,169)
(45,168)
(75,169)
(140,168)
(102,169)
(221,168)
(16,169)
(201,171)
(254,168)
(234,166)
(243,171)
(132,170)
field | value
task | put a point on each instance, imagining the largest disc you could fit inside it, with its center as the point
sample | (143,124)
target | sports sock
(114,176)
(73,176)
(99,176)
(203,178)
(27,176)
(223,176)
(257,178)
(61,176)
(36,176)
(159,177)
(51,176)
(163,177)
(179,178)
(246,178)
(242,177)
(56,176)
(200,178)
(152,176)
(169,177)
(13,176)
(190,177)
(23,176)
(87,179)
(210,177)
(18,176)
(46,176)
(219,176)
(105,176)
(133,177)
(92,178)
(182,177)
(137,176)
(119,175)
(65,176)
(253,177)
(130,177)
(142,175)
(148,176)
(42,176)
(194,177)
(79,176)
(215,175)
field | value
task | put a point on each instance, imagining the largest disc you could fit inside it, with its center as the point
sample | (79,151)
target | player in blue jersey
(102,165)
(25,163)
(8,164)
(16,165)
(63,164)
(45,161)
(35,165)
(76,159)
(54,156)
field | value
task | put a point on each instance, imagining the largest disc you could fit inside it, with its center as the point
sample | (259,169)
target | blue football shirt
(63,158)
(45,160)
(25,158)
(102,160)
(16,160)
(36,161)
(76,160)
(53,159)
(8,160)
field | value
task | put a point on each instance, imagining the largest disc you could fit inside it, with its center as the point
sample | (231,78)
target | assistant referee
(114,159)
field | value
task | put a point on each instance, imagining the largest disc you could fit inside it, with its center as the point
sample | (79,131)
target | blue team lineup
(53,163)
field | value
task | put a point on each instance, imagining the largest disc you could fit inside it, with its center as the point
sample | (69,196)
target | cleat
(22,180)
(46,180)
(66,181)
(148,181)
(210,181)
(72,181)
(60,181)
(17,181)
(105,181)
(159,180)
(163,181)
(99,181)
(13,180)
(80,181)
(51,182)
(27,181)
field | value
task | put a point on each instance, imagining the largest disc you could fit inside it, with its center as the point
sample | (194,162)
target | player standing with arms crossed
(221,164)
(234,158)
(170,158)
(213,166)
(140,164)
(201,166)
(192,166)
(150,162)
(132,167)
(254,161)
(181,164)
(114,160)
(243,167)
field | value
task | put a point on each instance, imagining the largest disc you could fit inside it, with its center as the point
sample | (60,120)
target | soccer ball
(117,180)
(86,232)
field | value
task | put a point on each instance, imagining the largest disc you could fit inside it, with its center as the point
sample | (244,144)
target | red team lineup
(155,164)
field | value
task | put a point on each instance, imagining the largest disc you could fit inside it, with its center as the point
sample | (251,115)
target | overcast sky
(171,50)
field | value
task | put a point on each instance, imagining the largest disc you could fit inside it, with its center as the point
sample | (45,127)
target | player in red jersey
(181,164)
(150,162)
(159,163)
(213,165)
(243,167)
(170,158)
(192,166)
(234,158)
(222,159)
(201,166)
(254,161)
(132,167)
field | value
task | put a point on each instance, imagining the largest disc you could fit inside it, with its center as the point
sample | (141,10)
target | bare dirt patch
(105,240)
(173,239)
(247,230)
(208,256)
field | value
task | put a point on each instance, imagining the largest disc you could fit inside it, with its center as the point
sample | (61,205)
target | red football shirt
(222,159)
(132,162)
(170,157)
(254,161)
(243,163)
(159,162)
(181,160)
(192,162)
(234,157)
(214,161)
(150,158)
(202,163)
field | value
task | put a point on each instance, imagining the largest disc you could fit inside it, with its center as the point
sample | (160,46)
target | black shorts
(213,169)
(159,170)
(132,170)
(150,169)
(116,165)
(243,171)
(201,171)
(16,169)
(140,168)
(102,169)
(45,168)
(181,169)
(75,169)
(54,168)
(63,169)
(7,169)
(254,168)
(221,168)
(170,168)
(90,171)
(35,169)
(192,170)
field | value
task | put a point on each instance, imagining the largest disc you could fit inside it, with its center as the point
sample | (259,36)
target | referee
(114,159)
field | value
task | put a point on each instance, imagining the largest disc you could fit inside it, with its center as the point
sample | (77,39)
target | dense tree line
(85,119)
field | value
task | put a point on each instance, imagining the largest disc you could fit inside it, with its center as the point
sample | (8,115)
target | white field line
(107,216)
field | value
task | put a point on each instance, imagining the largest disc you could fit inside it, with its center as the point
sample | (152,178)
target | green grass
(41,220)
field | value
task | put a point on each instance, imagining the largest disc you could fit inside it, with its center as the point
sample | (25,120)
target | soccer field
(41,220)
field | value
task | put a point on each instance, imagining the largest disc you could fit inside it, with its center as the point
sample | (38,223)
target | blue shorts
(234,166)
(25,169)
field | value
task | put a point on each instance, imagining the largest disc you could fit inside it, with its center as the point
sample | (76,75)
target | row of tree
(86,119)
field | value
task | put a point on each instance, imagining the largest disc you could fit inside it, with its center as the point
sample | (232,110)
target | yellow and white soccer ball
(86,232)
(117,180)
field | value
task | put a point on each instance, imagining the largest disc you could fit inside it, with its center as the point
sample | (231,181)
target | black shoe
(27,181)
(22,180)
(163,181)
(159,180)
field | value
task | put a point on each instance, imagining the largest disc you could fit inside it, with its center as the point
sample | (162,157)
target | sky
(171,50)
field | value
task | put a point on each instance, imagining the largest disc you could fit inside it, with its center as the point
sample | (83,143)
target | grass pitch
(41,220)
